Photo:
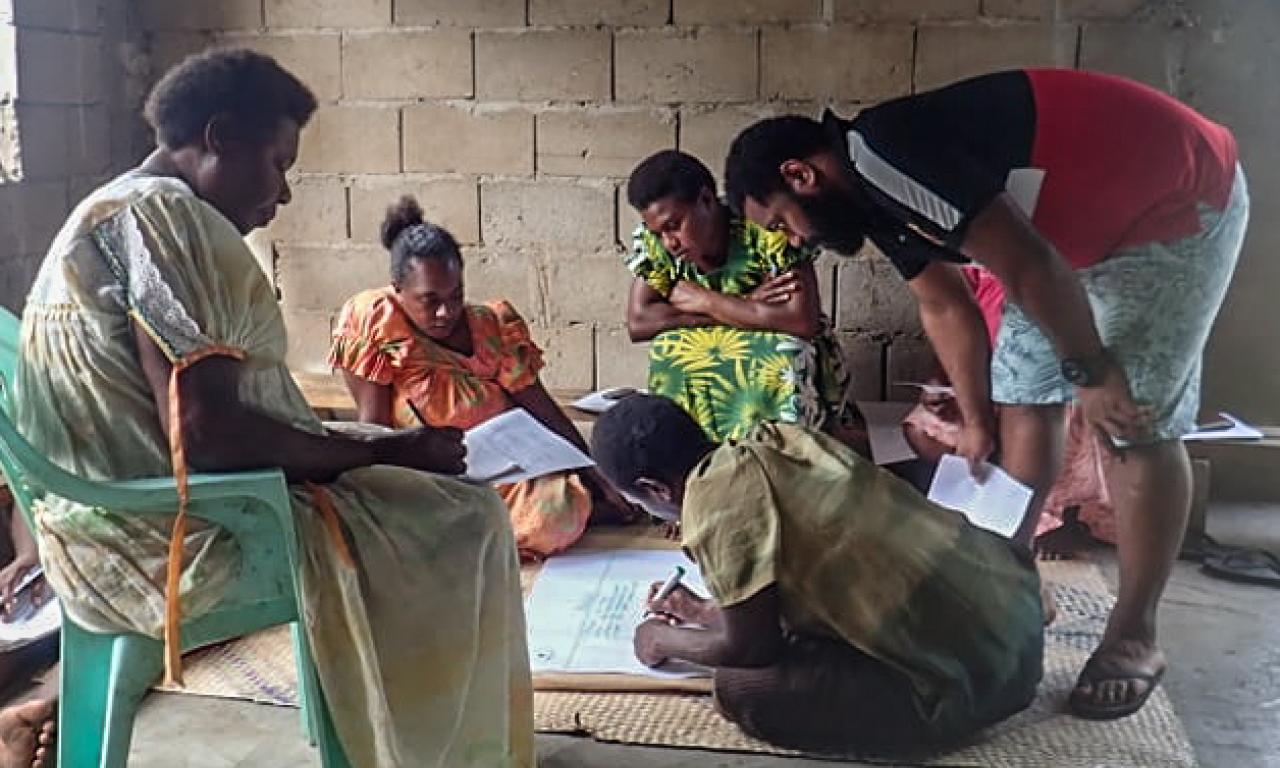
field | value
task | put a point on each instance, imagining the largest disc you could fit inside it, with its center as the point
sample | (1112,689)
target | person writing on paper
(1078,506)
(847,612)
(417,347)
(732,309)
(1100,204)
(148,293)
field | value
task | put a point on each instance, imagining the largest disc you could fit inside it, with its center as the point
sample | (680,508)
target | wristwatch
(1085,371)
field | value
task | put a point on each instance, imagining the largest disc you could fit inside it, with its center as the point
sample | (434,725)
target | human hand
(690,298)
(682,606)
(646,643)
(942,405)
(778,289)
(977,442)
(1111,410)
(12,603)
(430,449)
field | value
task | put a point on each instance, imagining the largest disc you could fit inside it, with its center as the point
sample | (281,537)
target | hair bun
(404,214)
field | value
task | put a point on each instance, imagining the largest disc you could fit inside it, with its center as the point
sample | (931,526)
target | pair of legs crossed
(824,695)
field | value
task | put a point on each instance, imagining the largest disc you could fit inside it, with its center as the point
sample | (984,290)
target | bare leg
(1031,451)
(1151,490)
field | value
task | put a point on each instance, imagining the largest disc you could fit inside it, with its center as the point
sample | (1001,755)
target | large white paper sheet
(514,446)
(884,431)
(584,607)
(996,503)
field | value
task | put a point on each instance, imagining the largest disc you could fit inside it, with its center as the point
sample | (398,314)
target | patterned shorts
(1154,305)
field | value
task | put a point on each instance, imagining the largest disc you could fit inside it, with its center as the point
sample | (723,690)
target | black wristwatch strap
(1086,371)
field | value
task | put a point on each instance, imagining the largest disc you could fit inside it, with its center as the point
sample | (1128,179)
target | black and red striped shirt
(1098,163)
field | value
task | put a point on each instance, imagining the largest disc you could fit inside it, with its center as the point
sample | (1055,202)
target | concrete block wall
(515,122)
(63,122)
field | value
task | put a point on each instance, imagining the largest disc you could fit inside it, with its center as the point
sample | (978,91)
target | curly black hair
(669,173)
(752,168)
(647,436)
(250,88)
(425,241)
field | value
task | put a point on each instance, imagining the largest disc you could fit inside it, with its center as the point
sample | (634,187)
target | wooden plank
(328,395)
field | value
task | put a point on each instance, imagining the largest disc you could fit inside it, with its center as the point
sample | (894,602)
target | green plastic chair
(105,676)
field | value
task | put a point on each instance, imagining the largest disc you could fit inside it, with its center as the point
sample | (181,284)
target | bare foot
(1047,604)
(1117,680)
(27,735)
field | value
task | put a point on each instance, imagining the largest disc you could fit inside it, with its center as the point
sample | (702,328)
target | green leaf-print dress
(731,379)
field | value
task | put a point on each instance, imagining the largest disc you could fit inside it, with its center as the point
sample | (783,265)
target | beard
(835,220)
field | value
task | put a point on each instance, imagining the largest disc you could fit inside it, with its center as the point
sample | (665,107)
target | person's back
(858,554)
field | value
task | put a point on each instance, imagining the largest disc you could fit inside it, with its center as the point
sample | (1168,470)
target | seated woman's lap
(729,379)
(548,513)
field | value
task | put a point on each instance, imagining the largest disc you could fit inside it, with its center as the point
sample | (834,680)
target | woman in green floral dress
(732,310)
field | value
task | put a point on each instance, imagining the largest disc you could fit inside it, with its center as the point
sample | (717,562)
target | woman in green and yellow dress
(732,310)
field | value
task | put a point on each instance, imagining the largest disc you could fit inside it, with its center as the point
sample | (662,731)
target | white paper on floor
(884,430)
(1231,428)
(584,607)
(599,402)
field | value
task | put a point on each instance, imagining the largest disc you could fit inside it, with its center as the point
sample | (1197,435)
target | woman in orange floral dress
(416,347)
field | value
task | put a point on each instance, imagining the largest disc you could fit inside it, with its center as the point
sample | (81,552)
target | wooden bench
(328,396)
(1241,469)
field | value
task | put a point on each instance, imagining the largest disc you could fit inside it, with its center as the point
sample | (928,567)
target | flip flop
(1082,704)
(1251,566)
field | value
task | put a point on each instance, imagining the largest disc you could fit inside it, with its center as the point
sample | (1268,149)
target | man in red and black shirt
(1112,214)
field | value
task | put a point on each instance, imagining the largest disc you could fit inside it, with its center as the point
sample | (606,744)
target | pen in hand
(668,587)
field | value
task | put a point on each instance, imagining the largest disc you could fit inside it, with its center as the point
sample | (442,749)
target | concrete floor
(1222,640)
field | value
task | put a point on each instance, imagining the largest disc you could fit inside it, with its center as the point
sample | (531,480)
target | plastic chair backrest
(10,340)
(17,457)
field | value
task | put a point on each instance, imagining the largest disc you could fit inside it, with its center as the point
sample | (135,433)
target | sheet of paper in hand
(514,446)
(29,623)
(996,503)
(584,607)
